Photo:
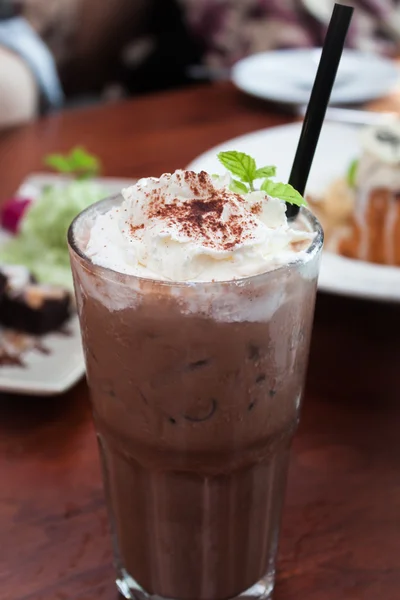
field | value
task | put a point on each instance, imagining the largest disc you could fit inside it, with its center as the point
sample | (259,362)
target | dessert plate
(287,76)
(55,362)
(338,146)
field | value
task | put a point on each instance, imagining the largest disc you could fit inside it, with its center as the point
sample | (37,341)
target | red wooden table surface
(341,529)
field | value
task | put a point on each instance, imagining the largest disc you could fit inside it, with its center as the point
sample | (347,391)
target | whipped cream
(190,227)
(379,165)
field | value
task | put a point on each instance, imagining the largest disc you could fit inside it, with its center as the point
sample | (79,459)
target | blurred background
(63,53)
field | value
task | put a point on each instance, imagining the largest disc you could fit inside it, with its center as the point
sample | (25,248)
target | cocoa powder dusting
(135,228)
(256,209)
(201,218)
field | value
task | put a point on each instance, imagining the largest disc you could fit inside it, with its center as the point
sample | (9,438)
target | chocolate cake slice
(35,308)
(3,286)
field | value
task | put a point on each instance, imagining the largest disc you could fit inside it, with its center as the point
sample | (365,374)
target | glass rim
(310,252)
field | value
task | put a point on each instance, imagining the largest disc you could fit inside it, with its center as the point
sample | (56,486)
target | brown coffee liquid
(194,419)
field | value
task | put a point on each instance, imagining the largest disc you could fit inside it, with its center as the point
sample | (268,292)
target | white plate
(338,145)
(287,76)
(48,374)
(57,371)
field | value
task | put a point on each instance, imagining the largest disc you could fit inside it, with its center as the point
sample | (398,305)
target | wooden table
(341,529)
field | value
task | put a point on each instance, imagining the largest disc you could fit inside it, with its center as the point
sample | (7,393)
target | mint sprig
(269,171)
(240,164)
(283,191)
(244,166)
(77,162)
(238,187)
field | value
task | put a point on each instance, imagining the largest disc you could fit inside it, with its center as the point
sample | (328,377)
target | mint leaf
(269,171)
(59,163)
(240,164)
(238,187)
(81,175)
(83,161)
(78,162)
(283,191)
(352,173)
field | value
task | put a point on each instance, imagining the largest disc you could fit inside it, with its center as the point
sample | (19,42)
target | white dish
(63,364)
(51,373)
(338,146)
(320,9)
(287,76)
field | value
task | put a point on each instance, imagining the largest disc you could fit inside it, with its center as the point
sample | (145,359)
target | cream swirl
(379,165)
(190,227)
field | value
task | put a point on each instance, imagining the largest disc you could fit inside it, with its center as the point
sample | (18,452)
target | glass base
(132,590)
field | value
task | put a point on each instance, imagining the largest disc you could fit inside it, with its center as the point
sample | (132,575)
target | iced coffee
(196,307)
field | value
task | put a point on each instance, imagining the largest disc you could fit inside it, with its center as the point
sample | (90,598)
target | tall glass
(196,390)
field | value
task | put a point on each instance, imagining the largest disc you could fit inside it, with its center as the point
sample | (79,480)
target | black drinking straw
(319,99)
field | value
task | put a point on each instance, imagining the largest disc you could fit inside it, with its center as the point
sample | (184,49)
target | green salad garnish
(77,162)
(41,244)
